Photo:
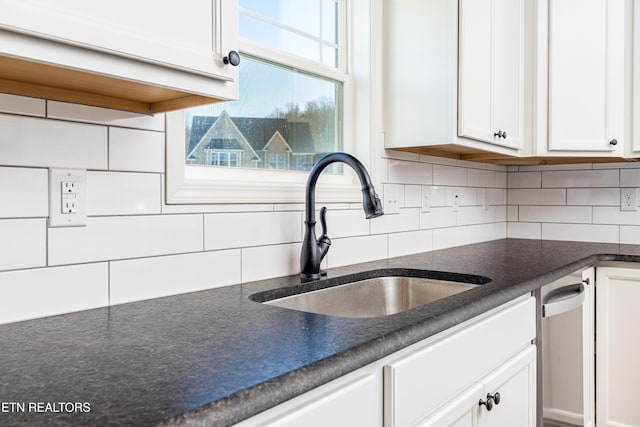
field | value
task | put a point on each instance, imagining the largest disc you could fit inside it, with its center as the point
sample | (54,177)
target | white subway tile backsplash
(496,214)
(581,178)
(237,230)
(482,178)
(343,223)
(564,214)
(112,238)
(352,250)
(458,236)
(121,193)
(24,193)
(617,165)
(403,172)
(139,279)
(438,218)
(136,150)
(524,230)
(558,167)
(412,196)
(630,235)
(264,262)
(467,196)
(450,175)
(103,116)
(630,178)
(28,141)
(581,232)
(28,294)
(524,179)
(408,219)
(593,196)
(156,249)
(613,215)
(438,160)
(495,196)
(22,105)
(536,196)
(400,155)
(501,179)
(23,243)
(437,195)
(410,242)
(468,215)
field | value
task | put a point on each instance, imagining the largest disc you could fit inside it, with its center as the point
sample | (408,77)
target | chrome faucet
(314,250)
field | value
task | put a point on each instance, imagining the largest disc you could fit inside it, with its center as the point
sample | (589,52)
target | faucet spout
(314,250)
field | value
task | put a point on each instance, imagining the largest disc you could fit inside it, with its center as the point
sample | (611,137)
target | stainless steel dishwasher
(567,362)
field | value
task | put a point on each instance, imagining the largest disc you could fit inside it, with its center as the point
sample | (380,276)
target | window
(280,110)
(294,92)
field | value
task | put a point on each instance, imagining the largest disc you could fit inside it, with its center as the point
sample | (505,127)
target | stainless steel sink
(379,296)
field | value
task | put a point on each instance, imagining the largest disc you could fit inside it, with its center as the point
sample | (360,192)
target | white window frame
(198,184)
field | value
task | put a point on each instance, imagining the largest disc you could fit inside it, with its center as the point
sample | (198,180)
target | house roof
(258,131)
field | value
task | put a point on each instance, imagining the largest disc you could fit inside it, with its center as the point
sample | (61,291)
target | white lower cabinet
(437,385)
(509,392)
(436,382)
(617,346)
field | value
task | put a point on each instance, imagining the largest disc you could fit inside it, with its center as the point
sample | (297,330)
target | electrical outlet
(67,198)
(426,199)
(456,202)
(483,195)
(628,199)
(392,199)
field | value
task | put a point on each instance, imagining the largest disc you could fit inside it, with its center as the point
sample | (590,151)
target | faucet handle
(323,223)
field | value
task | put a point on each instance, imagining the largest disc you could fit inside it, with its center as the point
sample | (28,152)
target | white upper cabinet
(581,77)
(164,53)
(491,71)
(434,50)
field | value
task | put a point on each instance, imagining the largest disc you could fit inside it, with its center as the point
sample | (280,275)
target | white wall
(578,202)
(135,247)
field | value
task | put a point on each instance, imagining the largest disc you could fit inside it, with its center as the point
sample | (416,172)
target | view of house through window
(285,119)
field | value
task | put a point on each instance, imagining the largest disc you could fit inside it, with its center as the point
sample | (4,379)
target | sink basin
(374,297)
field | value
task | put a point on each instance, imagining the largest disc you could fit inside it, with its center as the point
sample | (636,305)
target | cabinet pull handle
(613,142)
(491,399)
(232,58)
(500,134)
(495,397)
(487,403)
(562,300)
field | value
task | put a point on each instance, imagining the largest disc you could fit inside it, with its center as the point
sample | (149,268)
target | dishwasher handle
(563,299)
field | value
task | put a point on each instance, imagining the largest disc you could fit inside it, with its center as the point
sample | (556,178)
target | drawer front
(417,384)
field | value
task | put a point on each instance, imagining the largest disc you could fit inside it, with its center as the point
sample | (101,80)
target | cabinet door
(617,346)
(419,383)
(516,383)
(462,411)
(353,400)
(491,71)
(586,75)
(192,36)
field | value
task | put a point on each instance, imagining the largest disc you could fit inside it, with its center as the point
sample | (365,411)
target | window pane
(284,119)
(301,27)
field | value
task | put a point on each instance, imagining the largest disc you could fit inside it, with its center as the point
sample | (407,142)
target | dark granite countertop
(216,357)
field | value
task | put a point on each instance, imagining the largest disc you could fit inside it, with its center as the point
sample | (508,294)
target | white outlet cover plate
(56,217)
(628,199)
